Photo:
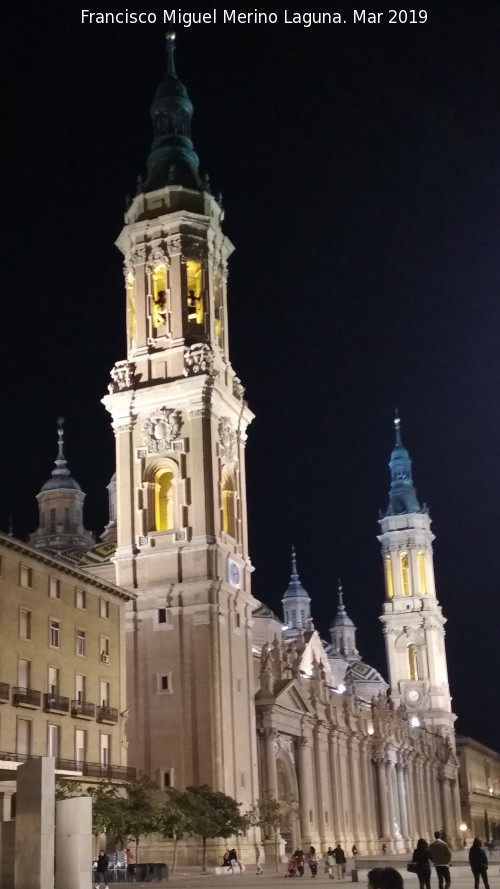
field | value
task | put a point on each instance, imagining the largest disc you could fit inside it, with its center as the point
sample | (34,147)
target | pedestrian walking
(330,862)
(422,861)
(313,861)
(340,861)
(260,869)
(441,857)
(101,870)
(299,860)
(478,861)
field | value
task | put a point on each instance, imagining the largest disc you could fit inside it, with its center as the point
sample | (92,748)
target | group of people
(232,862)
(335,862)
(438,853)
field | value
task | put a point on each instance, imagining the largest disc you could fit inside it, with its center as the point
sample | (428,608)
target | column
(430,810)
(368,810)
(416,799)
(318,784)
(270,759)
(35,822)
(335,787)
(356,807)
(383,798)
(402,801)
(391,800)
(305,784)
(6,805)
(457,808)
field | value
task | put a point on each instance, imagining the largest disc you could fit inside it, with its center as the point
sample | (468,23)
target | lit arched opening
(404,562)
(421,573)
(159,307)
(163,500)
(388,576)
(412,659)
(228,503)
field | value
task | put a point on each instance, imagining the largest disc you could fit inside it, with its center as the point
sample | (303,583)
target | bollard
(354,875)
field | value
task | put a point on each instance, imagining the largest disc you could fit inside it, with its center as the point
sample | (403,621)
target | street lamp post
(463,829)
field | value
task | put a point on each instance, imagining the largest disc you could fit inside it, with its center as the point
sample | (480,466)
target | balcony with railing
(68,766)
(55,704)
(82,710)
(107,714)
(4,692)
(26,697)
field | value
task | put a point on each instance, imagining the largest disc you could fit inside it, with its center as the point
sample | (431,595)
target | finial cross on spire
(341,595)
(170,38)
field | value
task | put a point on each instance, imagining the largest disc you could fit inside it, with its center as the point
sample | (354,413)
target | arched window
(194,297)
(411,654)
(130,307)
(405,573)
(159,307)
(228,504)
(388,576)
(421,573)
(164,499)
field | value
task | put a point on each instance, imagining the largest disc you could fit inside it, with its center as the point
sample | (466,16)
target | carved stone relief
(122,376)
(198,359)
(227,443)
(161,429)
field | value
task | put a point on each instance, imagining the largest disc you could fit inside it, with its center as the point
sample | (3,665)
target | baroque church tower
(412,617)
(180,423)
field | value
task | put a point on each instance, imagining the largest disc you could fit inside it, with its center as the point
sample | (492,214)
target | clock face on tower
(233,573)
(413,696)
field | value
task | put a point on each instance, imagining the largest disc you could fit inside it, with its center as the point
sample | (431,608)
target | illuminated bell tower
(412,617)
(180,422)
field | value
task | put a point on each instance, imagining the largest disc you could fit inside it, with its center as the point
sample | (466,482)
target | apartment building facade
(62,665)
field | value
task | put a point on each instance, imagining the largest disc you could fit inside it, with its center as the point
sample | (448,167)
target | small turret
(296,602)
(402,494)
(343,631)
(60,504)
(172,160)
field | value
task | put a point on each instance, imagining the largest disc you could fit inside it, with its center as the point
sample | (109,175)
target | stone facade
(62,668)
(479,778)
(219,690)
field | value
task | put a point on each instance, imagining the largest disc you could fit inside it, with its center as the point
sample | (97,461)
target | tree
(107,802)
(139,811)
(66,788)
(268,813)
(209,813)
(174,822)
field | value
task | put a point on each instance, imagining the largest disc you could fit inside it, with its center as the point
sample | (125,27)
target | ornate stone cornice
(122,376)
(199,359)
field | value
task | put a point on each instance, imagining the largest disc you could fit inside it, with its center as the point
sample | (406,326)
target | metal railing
(83,708)
(86,769)
(56,703)
(107,714)
(4,691)
(27,696)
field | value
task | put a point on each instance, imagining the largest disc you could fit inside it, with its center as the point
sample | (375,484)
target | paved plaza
(461,877)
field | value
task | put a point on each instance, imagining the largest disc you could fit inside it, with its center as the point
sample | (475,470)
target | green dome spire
(402,493)
(172,160)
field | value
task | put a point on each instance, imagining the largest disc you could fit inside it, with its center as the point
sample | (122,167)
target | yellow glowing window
(411,654)
(405,573)
(218,310)
(194,297)
(228,504)
(159,308)
(421,573)
(130,305)
(388,576)
(164,500)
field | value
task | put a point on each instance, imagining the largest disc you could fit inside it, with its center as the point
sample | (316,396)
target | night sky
(360,172)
